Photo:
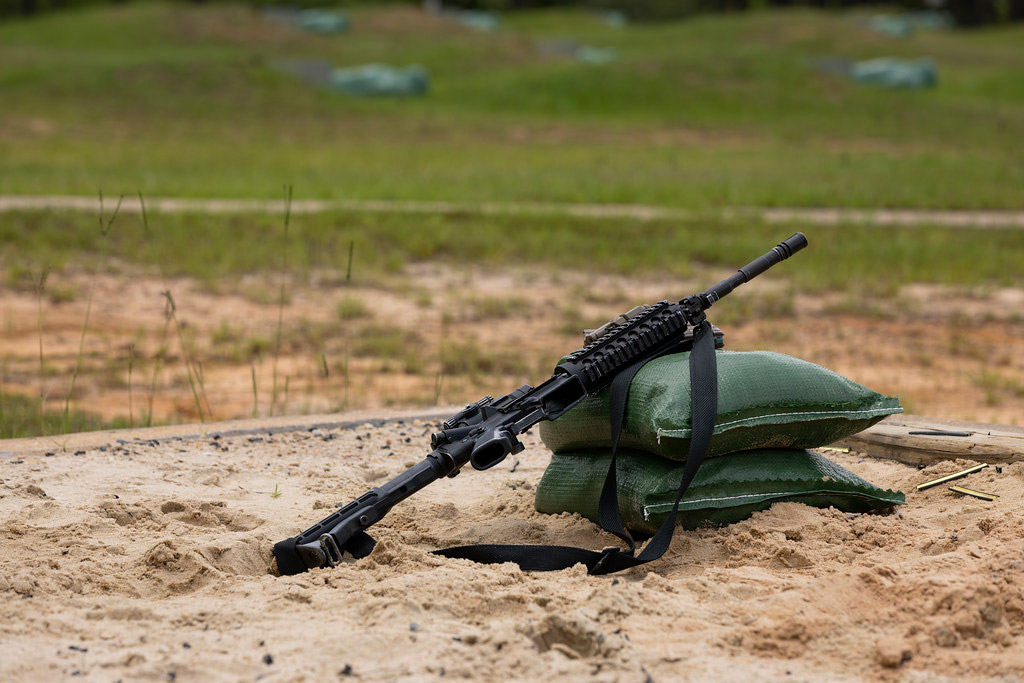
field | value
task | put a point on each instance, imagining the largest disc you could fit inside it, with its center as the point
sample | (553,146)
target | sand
(151,560)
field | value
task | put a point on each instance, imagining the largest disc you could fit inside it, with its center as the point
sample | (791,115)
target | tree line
(964,13)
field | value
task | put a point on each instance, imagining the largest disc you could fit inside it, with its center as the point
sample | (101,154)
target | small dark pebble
(171,675)
(187,646)
(77,648)
(79,452)
(408,440)
(414,626)
(615,582)
(103,449)
(358,438)
(262,643)
(254,439)
(346,670)
(267,659)
(122,441)
(920,467)
(76,672)
(442,672)
(999,470)
(17,462)
(216,437)
(49,455)
(457,639)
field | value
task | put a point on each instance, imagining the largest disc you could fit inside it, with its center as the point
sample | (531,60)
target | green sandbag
(380,79)
(726,489)
(890,72)
(478,19)
(765,400)
(323,21)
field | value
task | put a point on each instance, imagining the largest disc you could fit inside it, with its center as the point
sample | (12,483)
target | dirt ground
(151,560)
(437,337)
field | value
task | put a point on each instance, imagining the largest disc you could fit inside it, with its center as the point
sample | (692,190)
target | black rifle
(484,433)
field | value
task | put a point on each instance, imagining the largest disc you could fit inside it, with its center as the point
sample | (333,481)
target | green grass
(857,259)
(725,110)
(20,417)
(350,307)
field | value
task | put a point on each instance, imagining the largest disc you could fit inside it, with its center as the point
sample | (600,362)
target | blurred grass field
(181,100)
(861,260)
(724,110)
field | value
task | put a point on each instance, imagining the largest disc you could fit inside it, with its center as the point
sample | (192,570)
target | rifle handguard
(655,330)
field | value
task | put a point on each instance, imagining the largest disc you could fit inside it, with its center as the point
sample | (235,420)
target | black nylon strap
(608,516)
(704,411)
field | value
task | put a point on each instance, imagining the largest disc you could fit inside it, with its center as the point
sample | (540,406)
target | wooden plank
(924,440)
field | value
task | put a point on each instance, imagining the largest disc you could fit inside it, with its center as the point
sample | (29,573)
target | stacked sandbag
(323,21)
(380,79)
(771,408)
(893,72)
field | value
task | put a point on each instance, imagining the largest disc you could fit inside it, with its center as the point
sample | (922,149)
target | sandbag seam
(654,507)
(824,415)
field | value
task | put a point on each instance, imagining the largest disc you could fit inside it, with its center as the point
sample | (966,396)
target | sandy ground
(150,560)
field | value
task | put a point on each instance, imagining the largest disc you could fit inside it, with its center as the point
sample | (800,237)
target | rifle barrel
(779,253)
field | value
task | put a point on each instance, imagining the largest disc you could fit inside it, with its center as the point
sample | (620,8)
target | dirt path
(815,216)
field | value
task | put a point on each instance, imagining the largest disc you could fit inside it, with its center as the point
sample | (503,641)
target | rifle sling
(704,410)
